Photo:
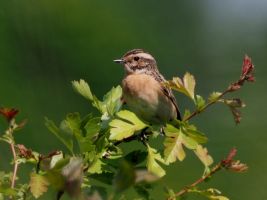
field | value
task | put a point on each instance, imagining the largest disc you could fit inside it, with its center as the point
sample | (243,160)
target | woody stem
(196,112)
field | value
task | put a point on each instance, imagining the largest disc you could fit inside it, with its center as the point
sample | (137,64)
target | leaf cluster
(94,160)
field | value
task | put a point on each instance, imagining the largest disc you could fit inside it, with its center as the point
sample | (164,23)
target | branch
(227,163)
(247,75)
(9,132)
(196,112)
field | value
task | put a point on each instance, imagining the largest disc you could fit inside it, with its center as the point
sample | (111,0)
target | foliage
(95,161)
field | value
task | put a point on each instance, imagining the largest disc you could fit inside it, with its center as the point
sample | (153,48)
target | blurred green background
(45,44)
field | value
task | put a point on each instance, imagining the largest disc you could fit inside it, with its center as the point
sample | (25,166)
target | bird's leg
(142,136)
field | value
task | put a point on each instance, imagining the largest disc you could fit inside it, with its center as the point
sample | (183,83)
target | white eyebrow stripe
(145,55)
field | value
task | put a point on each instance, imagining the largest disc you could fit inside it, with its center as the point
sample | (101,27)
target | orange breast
(144,96)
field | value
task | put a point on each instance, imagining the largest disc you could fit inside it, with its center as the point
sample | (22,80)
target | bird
(143,90)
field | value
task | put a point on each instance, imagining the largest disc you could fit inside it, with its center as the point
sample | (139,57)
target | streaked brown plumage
(143,90)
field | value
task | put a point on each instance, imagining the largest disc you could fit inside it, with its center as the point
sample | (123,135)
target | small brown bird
(143,90)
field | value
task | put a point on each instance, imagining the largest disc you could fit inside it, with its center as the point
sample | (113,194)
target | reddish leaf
(237,166)
(24,152)
(230,156)
(247,69)
(9,113)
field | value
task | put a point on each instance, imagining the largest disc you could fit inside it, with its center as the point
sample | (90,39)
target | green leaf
(55,159)
(66,139)
(152,164)
(7,191)
(202,154)
(186,86)
(125,177)
(38,185)
(73,123)
(112,100)
(198,136)
(126,126)
(83,88)
(174,142)
(214,96)
(187,113)
(55,179)
(211,193)
(92,127)
(200,102)
(189,84)
(96,166)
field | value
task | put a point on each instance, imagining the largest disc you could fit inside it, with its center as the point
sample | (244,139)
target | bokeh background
(45,44)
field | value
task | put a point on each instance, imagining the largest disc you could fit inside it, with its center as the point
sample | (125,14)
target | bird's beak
(120,61)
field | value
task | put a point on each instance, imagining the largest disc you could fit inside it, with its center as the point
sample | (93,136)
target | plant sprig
(93,151)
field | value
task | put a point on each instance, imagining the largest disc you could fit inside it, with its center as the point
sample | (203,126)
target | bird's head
(137,61)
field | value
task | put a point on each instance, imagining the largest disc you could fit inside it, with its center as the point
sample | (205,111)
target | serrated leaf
(200,102)
(92,126)
(96,167)
(83,88)
(152,164)
(218,197)
(174,142)
(185,86)
(204,157)
(73,124)
(189,84)
(213,194)
(63,137)
(198,136)
(55,159)
(112,100)
(214,96)
(38,185)
(126,126)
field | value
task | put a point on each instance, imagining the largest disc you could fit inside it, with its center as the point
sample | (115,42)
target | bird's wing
(170,95)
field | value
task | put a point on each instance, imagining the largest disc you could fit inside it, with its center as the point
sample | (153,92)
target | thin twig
(232,87)
(227,163)
(10,131)
(15,169)
(215,169)
(206,106)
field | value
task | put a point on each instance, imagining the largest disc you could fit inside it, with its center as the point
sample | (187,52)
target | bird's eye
(136,58)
